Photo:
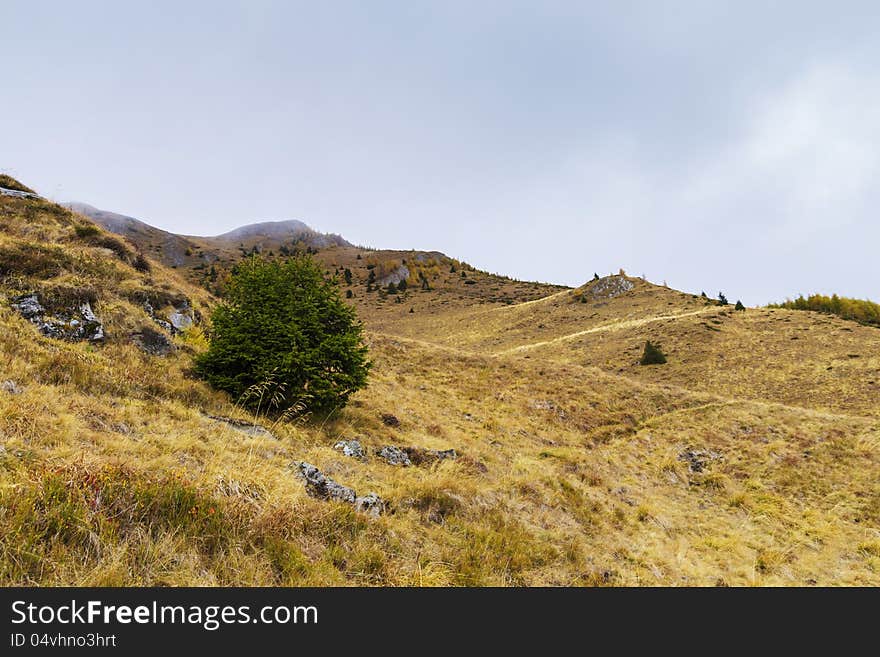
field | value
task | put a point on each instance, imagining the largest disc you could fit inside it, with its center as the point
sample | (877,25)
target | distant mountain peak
(270,229)
(290,229)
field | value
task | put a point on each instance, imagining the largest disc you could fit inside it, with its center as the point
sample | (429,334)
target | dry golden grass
(575,467)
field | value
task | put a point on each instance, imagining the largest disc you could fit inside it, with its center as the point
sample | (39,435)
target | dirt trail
(615,326)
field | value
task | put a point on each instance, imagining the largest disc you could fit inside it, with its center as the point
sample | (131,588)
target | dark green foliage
(452,269)
(347,275)
(722,299)
(371,278)
(143,265)
(703,294)
(349,294)
(595,276)
(652,355)
(392,288)
(739,306)
(284,338)
(412,310)
(857,310)
(402,285)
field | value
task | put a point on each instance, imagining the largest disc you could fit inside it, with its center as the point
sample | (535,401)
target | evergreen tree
(402,285)
(347,275)
(284,336)
(652,355)
(392,288)
(739,306)
(722,299)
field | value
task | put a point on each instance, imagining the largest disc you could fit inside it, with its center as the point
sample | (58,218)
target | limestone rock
(394,456)
(352,448)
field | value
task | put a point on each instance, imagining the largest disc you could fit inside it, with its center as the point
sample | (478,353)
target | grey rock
(394,456)
(77,324)
(370,504)
(180,320)
(322,487)
(699,459)
(352,448)
(152,342)
(11,387)
(249,428)
(15,193)
(399,274)
(610,287)
(28,306)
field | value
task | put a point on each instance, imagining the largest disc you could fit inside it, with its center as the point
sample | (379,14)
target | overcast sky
(727,146)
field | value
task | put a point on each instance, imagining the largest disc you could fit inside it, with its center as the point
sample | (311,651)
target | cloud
(810,153)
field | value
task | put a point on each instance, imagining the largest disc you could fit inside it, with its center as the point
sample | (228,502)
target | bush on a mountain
(284,338)
(652,355)
(739,306)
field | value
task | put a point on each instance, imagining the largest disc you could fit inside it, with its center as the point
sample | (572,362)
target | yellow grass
(575,464)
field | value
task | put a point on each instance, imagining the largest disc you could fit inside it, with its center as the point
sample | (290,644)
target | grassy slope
(574,461)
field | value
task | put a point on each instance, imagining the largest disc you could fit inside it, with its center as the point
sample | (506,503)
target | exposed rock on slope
(73,323)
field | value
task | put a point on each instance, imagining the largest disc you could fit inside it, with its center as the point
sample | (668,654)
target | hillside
(751,458)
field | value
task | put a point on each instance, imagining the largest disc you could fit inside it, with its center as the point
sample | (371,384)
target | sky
(716,146)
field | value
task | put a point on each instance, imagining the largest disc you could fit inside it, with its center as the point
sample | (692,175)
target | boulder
(322,487)
(152,342)
(394,456)
(352,448)
(28,306)
(371,504)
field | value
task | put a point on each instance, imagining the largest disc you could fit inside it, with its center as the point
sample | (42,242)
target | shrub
(349,294)
(739,306)
(722,299)
(392,288)
(857,310)
(284,338)
(652,355)
(86,230)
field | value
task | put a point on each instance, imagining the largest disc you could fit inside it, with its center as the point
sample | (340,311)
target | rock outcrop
(249,428)
(351,448)
(77,323)
(322,487)
(394,456)
(152,342)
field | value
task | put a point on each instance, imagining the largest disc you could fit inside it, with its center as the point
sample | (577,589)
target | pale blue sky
(714,145)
